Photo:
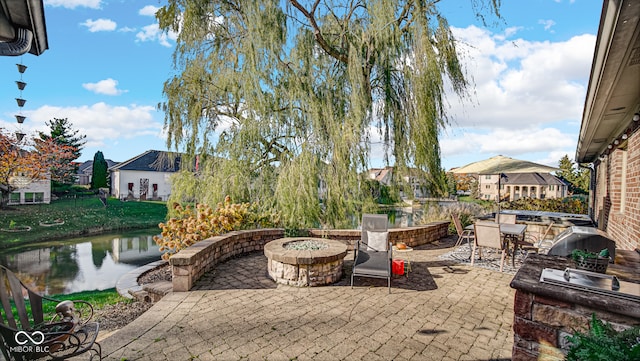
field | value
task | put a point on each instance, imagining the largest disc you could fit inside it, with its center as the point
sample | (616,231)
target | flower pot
(598,264)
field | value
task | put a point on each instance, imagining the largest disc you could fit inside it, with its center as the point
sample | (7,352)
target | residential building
(85,171)
(34,192)
(144,177)
(514,186)
(382,175)
(609,140)
(515,178)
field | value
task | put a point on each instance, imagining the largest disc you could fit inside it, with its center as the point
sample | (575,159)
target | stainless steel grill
(585,238)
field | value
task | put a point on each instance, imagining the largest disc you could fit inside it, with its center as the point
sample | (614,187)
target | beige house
(513,186)
(520,179)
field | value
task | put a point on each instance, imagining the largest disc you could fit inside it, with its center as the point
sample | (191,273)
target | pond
(81,264)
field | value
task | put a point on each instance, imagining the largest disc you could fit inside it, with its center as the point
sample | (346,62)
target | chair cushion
(377,241)
(374,264)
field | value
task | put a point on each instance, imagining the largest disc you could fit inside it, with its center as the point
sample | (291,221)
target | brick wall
(617,201)
(191,263)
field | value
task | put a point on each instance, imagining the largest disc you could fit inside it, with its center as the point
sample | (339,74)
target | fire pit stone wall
(302,267)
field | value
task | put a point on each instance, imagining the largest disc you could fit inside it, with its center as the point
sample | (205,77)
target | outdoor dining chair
(463,234)
(488,236)
(505,218)
(537,241)
(373,252)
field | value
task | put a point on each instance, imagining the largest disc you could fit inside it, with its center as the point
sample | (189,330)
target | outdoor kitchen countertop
(626,268)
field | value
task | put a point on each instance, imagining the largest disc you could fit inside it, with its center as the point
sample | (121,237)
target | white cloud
(148,10)
(548,24)
(100,122)
(100,25)
(72,4)
(107,86)
(127,29)
(522,84)
(153,33)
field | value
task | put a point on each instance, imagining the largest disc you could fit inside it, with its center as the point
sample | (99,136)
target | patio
(443,310)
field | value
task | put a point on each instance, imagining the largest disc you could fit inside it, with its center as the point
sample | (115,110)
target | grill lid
(585,238)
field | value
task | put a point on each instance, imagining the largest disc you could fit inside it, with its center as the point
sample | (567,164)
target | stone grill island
(305,261)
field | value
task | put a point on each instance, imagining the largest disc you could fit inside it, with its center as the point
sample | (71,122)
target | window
(14,198)
(488,186)
(33,197)
(487,177)
(28,197)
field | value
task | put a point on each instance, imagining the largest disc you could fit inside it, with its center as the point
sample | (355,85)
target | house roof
(613,94)
(502,164)
(151,161)
(530,179)
(87,166)
(22,27)
(380,173)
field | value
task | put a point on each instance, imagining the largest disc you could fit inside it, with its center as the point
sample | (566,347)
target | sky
(107,62)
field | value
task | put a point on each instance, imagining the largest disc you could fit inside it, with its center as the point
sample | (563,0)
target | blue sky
(107,62)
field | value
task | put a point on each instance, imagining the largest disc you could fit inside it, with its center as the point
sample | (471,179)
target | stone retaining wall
(191,263)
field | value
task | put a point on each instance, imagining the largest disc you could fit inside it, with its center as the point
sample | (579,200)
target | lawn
(81,216)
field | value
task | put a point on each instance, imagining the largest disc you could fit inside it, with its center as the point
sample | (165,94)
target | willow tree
(281,99)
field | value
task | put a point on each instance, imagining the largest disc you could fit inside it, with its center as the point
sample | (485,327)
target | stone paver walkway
(442,311)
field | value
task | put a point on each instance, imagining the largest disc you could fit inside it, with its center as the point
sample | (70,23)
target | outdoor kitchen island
(546,313)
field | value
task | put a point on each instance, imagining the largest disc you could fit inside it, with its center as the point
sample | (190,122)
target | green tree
(99,171)
(61,131)
(279,97)
(577,177)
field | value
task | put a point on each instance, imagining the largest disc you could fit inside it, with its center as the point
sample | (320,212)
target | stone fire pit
(305,261)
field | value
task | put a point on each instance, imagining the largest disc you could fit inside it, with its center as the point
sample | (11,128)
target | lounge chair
(373,252)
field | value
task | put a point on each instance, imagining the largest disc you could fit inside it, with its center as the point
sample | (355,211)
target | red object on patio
(397,267)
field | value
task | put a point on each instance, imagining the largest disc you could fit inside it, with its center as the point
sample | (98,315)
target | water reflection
(81,264)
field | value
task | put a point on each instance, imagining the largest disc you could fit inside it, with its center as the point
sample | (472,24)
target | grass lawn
(81,216)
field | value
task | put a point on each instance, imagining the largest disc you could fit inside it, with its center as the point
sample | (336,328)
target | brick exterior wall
(191,263)
(616,196)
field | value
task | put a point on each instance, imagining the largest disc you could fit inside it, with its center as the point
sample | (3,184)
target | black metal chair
(24,333)
(373,252)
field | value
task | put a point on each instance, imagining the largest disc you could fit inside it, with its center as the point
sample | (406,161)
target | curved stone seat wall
(191,263)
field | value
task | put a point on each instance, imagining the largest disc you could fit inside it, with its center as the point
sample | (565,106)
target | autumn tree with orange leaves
(27,160)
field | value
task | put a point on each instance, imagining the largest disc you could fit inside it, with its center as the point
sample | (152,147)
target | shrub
(574,205)
(191,225)
(602,342)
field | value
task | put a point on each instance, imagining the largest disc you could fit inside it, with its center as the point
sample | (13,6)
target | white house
(145,177)
(37,191)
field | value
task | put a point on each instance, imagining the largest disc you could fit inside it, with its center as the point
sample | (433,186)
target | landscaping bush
(574,205)
(191,225)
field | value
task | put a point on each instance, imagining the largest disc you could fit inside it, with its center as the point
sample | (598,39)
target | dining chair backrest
(488,234)
(505,218)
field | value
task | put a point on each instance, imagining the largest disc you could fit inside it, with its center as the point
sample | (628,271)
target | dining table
(512,233)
